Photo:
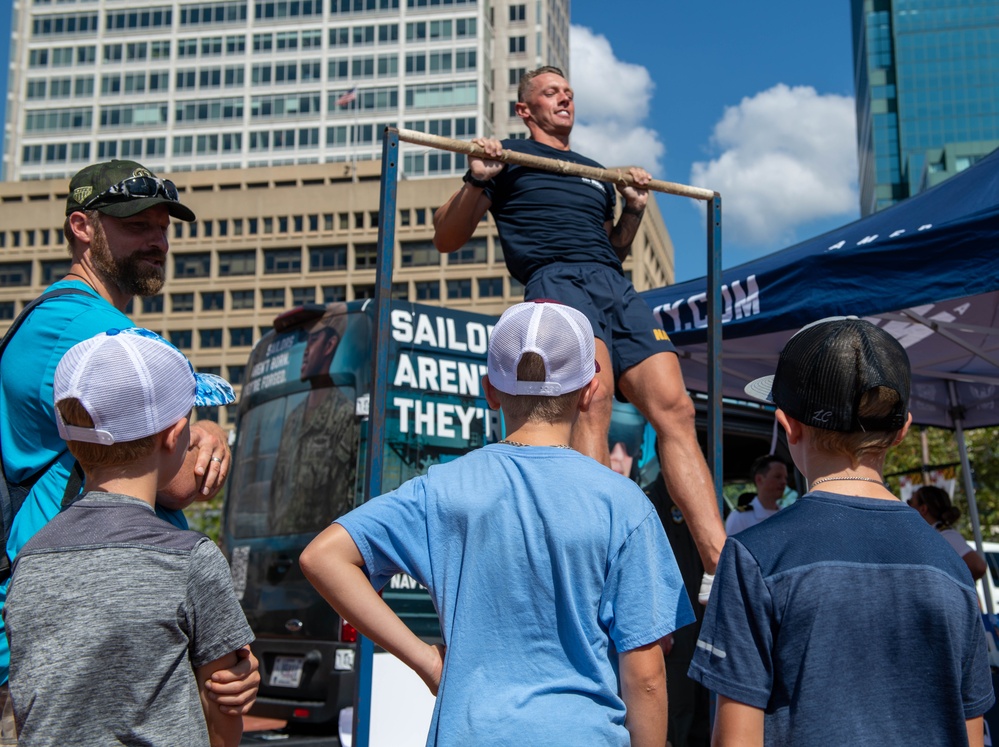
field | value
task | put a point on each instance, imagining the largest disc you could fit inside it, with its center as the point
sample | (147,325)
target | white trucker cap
(562,337)
(134,384)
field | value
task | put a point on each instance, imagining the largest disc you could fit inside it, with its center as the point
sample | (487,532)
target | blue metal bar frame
(715,445)
(379,395)
(379,389)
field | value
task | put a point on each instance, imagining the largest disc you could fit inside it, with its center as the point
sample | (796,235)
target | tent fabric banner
(926,269)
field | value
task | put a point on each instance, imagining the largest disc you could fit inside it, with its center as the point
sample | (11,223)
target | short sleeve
(734,654)
(216,624)
(644,598)
(391,533)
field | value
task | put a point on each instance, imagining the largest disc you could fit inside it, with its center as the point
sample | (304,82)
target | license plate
(287,671)
(343,659)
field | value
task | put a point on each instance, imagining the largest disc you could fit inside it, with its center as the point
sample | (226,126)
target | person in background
(770,475)
(934,505)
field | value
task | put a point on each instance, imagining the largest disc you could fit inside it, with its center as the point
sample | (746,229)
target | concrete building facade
(271,238)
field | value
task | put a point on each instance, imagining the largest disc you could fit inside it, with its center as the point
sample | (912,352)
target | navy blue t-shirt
(848,621)
(544,217)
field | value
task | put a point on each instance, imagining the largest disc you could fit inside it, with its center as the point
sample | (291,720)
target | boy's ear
(587,393)
(490,391)
(792,427)
(904,429)
(172,436)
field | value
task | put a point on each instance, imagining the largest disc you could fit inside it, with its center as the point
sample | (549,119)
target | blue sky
(754,100)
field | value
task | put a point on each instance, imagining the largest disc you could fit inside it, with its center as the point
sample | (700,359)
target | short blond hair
(525,80)
(534,407)
(99,456)
(878,402)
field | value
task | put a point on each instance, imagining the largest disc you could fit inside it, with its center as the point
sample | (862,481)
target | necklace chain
(508,442)
(858,479)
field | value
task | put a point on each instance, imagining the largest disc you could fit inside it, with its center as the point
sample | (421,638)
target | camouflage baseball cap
(122,189)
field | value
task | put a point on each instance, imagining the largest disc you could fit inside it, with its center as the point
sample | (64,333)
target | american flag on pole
(347,97)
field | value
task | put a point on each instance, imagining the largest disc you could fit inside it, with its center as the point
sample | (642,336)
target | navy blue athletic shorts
(608,299)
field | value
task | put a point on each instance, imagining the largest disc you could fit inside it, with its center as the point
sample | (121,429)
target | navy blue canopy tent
(926,269)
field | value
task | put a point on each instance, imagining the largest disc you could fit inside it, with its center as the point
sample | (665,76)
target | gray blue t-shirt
(542,564)
(849,621)
(109,611)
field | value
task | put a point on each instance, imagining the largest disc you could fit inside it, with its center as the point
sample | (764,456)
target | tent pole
(969,486)
(715,312)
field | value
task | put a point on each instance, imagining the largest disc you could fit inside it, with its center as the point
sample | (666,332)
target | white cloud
(612,101)
(788,157)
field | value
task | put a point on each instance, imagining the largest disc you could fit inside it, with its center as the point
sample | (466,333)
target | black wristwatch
(480,183)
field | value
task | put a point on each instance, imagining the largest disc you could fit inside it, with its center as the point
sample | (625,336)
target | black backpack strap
(11,499)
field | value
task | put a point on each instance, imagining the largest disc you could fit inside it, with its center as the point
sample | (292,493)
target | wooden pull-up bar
(615,176)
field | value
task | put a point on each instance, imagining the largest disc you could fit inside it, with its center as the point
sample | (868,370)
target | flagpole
(353,129)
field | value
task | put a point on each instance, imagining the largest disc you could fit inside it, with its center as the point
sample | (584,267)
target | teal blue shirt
(28,432)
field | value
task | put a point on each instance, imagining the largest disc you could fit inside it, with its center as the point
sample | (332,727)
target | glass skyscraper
(926,76)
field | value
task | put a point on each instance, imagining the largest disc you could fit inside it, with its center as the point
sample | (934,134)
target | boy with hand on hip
(116,618)
(550,573)
(844,618)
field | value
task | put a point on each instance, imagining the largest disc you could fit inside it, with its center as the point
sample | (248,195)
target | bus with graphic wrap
(298,463)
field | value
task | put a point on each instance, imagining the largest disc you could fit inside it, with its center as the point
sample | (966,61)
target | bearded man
(117,219)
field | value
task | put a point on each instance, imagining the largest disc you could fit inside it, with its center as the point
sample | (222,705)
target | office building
(926,76)
(229,84)
(271,238)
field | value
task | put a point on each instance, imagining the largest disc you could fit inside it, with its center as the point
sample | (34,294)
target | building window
(236,374)
(459,288)
(428,290)
(515,74)
(181,338)
(180,302)
(272,298)
(6,310)
(475,251)
(192,265)
(280,261)
(15,273)
(400,291)
(334,293)
(328,258)
(518,13)
(54,270)
(237,263)
(240,336)
(363,291)
(517,44)
(152,304)
(419,254)
(211,338)
(302,296)
(365,256)
(242,299)
(212,301)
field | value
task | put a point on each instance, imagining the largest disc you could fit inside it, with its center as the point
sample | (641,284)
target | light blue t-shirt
(542,565)
(28,431)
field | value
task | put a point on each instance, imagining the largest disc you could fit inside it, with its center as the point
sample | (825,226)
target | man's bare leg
(655,386)
(589,435)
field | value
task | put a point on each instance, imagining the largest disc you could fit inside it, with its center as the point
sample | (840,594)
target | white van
(991,550)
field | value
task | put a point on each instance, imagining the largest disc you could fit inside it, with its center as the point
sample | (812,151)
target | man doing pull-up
(560,240)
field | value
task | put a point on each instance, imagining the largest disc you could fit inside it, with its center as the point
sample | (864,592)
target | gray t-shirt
(109,611)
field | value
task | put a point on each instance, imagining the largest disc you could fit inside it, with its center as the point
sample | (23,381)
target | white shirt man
(770,475)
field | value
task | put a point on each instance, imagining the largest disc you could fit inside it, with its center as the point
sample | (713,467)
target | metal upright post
(715,311)
(379,390)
